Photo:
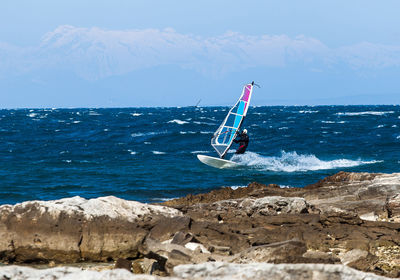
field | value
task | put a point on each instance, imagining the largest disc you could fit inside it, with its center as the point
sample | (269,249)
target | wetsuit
(243,143)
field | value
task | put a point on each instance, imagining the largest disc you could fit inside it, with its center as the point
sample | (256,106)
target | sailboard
(227,131)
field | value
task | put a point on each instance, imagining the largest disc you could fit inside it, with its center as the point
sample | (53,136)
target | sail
(226,133)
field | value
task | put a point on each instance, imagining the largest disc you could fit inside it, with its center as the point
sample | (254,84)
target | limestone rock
(290,251)
(393,207)
(261,271)
(75,229)
(25,273)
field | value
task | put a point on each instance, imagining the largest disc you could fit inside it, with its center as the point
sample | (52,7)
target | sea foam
(375,113)
(293,162)
(178,121)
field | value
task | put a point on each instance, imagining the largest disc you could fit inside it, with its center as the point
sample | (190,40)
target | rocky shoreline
(345,226)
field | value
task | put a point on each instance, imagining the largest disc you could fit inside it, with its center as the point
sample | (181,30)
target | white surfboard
(217,162)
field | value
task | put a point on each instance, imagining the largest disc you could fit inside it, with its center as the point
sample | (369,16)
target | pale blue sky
(107,53)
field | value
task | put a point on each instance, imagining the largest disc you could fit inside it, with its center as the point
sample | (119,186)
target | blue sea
(149,154)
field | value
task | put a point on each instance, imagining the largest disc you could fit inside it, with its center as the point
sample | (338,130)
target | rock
(168,228)
(197,247)
(221,250)
(181,238)
(320,257)
(337,216)
(148,266)
(274,205)
(290,251)
(352,255)
(393,208)
(169,255)
(75,229)
(26,273)
(261,271)
(124,264)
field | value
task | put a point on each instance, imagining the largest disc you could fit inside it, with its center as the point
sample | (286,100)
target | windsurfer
(243,142)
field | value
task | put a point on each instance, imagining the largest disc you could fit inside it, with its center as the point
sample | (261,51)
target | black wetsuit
(243,143)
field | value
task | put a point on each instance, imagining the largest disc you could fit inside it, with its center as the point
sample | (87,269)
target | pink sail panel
(246,94)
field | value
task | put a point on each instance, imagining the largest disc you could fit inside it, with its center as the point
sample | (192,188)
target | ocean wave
(178,121)
(374,113)
(187,132)
(293,162)
(163,199)
(132,152)
(142,134)
(94,113)
(199,152)
(206,123)
(237,187)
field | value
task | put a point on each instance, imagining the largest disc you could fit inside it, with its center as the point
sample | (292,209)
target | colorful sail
(226,133)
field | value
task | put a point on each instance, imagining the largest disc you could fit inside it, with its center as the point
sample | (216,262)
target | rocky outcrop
(347,218)
(209,270)
(76,229)
(261,271)
(26,273)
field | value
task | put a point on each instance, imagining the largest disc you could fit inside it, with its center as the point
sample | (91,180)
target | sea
(149,154)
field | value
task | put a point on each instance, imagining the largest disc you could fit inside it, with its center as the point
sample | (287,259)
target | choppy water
(149,154)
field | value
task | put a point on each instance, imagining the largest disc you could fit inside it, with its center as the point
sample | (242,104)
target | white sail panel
(226,133)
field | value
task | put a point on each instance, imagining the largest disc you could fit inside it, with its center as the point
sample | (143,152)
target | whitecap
(158,153)
(206,132)
(201,123)
(163,199)
(308,112)
(67,160)
(374,113)
(293,162)
(285,186)
(394,126)
(132,152)
(32,115)
(237,187)
(327,122)
(199,152)
(187,132)
(283,128)
(147,143)
(136,114)
(141,134)
(178,121)
(76,121)
(93,113)
(380,126)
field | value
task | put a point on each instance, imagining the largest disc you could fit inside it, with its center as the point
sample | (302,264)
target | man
(243,142)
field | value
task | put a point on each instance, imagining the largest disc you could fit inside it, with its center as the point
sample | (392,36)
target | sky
(173,53)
